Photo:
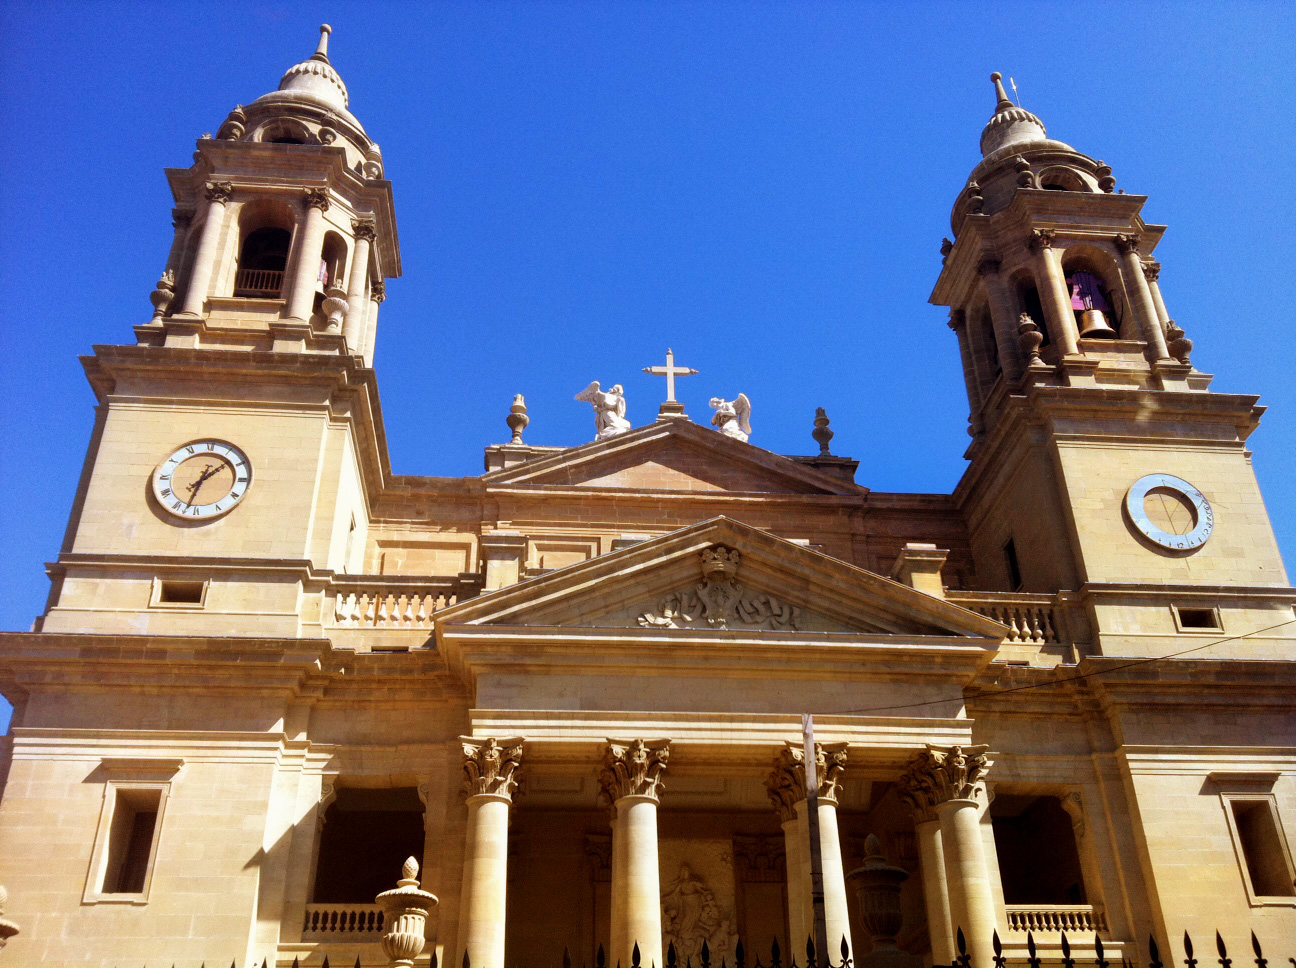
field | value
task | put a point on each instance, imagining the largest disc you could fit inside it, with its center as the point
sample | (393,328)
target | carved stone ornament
(936,775)
(517,419)
(335,307)
(1042,238)
(7,928)
(732,417)
(1128,243)
(633,768)
(719,600)
(974,198)
(946,248)
(219,192)
(378,291)
(1178,343)
(161,296)
(327,135)
(1029,338)
(1106,183)
(822,433)
(692,917)
(490,765)
(364,228)
(786,783)
(316,198)
(1025,177)
(405,914)
(234,126)
(1152,271)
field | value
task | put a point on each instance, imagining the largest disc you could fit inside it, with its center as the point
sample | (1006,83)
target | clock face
(1170,512)
(202,480)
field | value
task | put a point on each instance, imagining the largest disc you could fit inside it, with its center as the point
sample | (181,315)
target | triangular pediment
(722,575)
(677,456)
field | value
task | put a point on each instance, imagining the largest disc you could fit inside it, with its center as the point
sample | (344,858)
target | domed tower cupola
(1048,276)
(285,230)
(1010,125)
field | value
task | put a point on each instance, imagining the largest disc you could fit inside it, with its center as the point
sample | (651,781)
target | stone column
(630,784)
(301,296)
(353,330)
(958,323)
(787,781)
(377,294)
(1054,294)
(1004,317)
(1140,297)
(787,793)
(1152,272)
(915,788)
(204,261)
(952,780)
(490,775)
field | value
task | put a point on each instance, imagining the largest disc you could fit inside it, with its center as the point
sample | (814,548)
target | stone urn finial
(405,914)
(821,433)
(7,928)
(517,419)
(161,296)
(877,885)
(335,307)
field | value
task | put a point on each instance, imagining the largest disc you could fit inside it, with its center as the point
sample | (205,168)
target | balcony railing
(342,922)
(1031,619)
(265,283)
(400,603)
(1040,919)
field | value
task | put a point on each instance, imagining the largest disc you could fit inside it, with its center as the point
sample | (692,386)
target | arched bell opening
(332,269)
(265,234)
(1089,279)
(985,349)
(1026,290)
(1061,179)
(284,131)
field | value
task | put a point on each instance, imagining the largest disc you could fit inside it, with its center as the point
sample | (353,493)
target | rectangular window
(1262,848)
(1197,619)
(131,821)
(183,594)
(1014,569)
(130,841)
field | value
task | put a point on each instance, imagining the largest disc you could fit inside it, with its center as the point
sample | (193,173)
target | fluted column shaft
(490,767)
(1141,296)
(630,784)
(204,261)
(310,251)
(1054,294)
(353,330)
(931,860)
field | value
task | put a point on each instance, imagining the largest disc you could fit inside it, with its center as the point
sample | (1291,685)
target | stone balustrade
(1031,619)
(354,922)
(386,603)
(1045,919)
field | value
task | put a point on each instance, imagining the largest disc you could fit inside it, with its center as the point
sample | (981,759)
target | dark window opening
(1262,848)
(1197,618)
(262,262)
(1092,304)
(286,140)
(1031,305)
(367,836)
(130,841)
(181,592)
(1035,843)
(1014,568)
(1052,186)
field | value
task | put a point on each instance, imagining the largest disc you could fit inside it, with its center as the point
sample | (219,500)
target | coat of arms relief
(719,601)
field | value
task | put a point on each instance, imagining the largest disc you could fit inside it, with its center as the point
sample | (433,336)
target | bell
(1093,325)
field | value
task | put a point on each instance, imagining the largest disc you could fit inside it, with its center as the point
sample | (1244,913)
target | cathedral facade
(572,689)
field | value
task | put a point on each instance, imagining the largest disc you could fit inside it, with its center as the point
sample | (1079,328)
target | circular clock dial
(1170,512)
(202,480)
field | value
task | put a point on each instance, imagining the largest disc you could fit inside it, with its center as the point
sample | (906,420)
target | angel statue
(609,409)
(732,417)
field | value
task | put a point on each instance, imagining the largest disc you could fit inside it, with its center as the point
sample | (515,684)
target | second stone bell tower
(1101,465)
(284,227)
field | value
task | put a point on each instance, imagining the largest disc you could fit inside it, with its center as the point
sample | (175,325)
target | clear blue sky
(762,186)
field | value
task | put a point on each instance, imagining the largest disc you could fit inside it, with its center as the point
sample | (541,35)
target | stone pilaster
(204,261)
(301,296)
(631,784)
(490,776)
(951,782)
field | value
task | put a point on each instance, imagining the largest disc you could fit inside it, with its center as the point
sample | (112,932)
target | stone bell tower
(284,227)
(237,444)
(1100,463)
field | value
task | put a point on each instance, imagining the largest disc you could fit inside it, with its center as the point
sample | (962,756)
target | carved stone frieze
(719,601)
(693,916)
(491,765)
(936,775)
(633,768)
(786,783)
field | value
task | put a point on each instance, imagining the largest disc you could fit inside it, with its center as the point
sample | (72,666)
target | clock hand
(208,471)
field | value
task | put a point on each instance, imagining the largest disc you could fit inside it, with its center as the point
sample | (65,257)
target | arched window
(1028,299)
(266,227)
(1092,304)
(333,262)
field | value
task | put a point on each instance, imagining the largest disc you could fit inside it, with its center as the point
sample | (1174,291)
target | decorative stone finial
(1010,125)
(405,913)
(517,419)
(234,126)
(335,307)
(1106,183)
(732,417)
(161,296)
(1029,338)
(7,928)
(1179,344)
(821,433)
(877,884)
(1001,95)
(321,51)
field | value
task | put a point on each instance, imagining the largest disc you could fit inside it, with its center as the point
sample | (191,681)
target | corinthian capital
(1128,243)
(786,784)
(1152,270)
(1042,238)
(936,775)
(633,768)
(490,765)
(365,229)
(378,292)
(316,198)
(218,191)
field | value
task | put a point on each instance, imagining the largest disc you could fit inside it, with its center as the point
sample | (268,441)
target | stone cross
(671,408)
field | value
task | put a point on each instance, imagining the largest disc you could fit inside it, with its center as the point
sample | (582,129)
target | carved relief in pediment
(719,601)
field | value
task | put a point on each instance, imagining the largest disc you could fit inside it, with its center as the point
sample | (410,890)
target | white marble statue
(732,417)
(609,409)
